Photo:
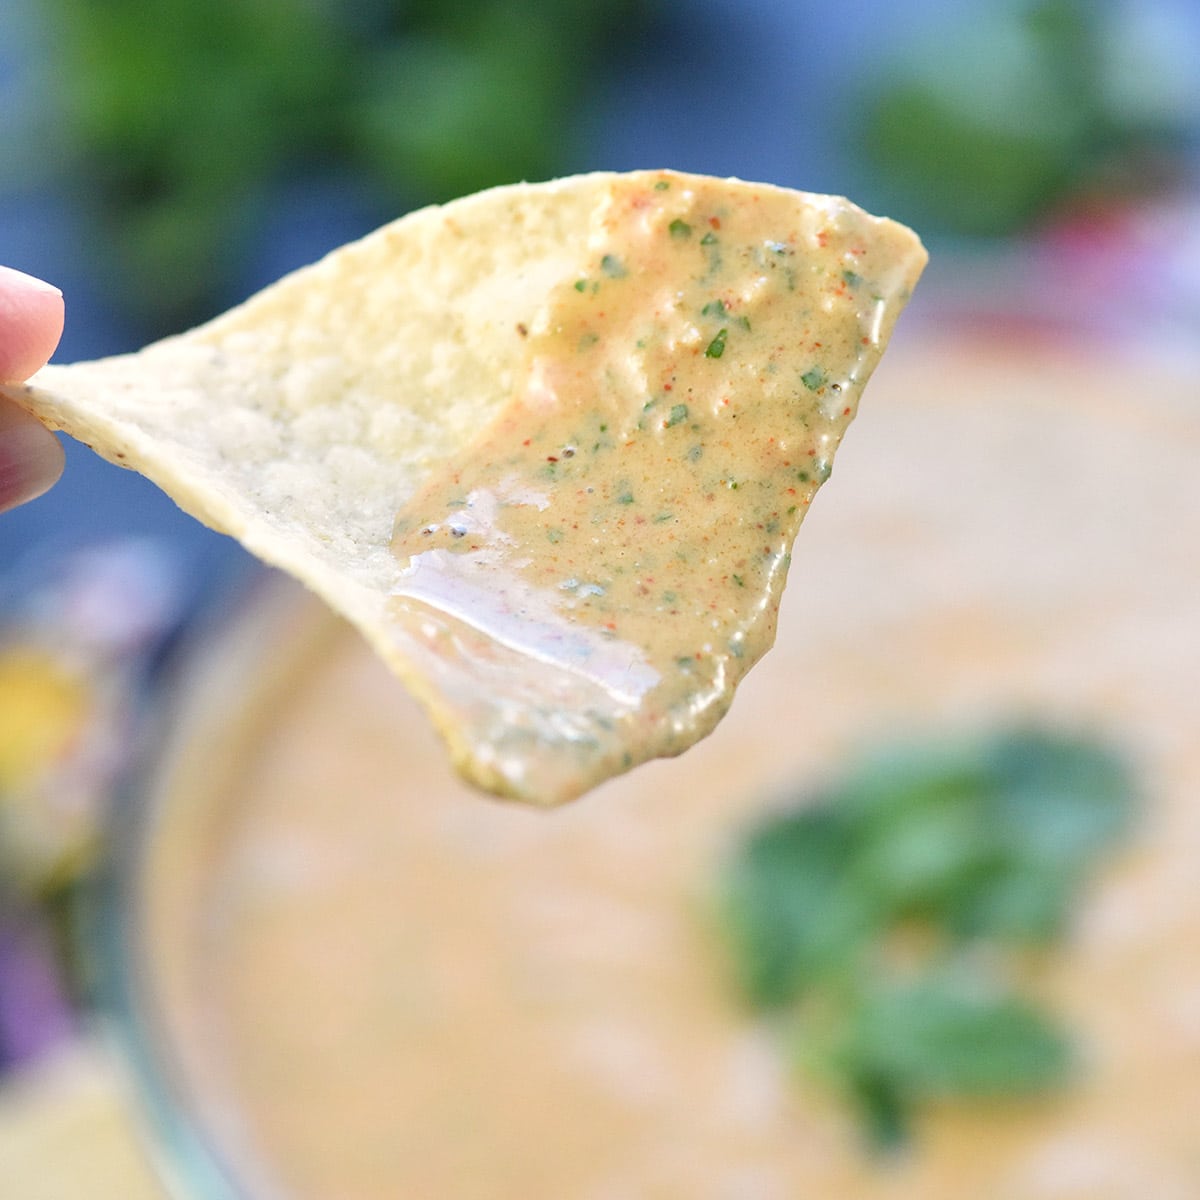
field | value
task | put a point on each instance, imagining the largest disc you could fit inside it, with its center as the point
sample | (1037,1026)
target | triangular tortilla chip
(546,446)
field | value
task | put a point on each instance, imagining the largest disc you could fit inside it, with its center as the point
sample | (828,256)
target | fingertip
(32,313)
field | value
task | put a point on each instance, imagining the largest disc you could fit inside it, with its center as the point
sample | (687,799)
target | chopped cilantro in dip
(612,266)
(717,346)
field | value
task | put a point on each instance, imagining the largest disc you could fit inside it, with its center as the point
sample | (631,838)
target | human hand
(31,322)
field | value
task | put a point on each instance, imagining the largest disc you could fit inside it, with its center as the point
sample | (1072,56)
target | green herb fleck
(661,186)
(625,498)
(581,285)
(611,265)
(554,536)
(738,580)
(662,517)
(680,229)
(679,412)
(852,278)
(718,309)
(813,378)
(717,346)
(695,453)
(709,239)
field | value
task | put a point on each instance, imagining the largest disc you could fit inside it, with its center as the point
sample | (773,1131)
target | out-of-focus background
(163,159)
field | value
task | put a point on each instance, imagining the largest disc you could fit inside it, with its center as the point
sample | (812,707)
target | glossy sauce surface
(589,582)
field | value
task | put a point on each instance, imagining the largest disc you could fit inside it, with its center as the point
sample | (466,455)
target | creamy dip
(589,582)
(373,985)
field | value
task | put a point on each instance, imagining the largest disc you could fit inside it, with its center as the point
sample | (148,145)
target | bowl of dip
(345,974)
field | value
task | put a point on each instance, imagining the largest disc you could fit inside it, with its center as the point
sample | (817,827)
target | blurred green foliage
(1004,114)
(880,922)
(178,117)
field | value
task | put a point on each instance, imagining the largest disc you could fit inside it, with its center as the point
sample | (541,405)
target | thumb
(31,322)
(31,458)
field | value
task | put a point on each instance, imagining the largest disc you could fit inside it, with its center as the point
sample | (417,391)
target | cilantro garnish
(960,856)
(679,229)
(717,346)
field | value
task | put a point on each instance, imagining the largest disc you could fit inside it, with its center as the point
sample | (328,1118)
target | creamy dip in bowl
(350,977)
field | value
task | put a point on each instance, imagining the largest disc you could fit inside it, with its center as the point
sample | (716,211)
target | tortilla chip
(302,422)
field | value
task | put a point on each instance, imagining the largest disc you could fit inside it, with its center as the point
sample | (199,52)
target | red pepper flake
(846,411)
(526,441)
(715,222)
(822,237)
(551,458)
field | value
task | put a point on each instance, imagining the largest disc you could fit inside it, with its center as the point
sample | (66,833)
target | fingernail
(31,460)
(19,279)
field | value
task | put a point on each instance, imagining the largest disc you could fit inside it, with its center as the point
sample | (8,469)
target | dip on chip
(547,447)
